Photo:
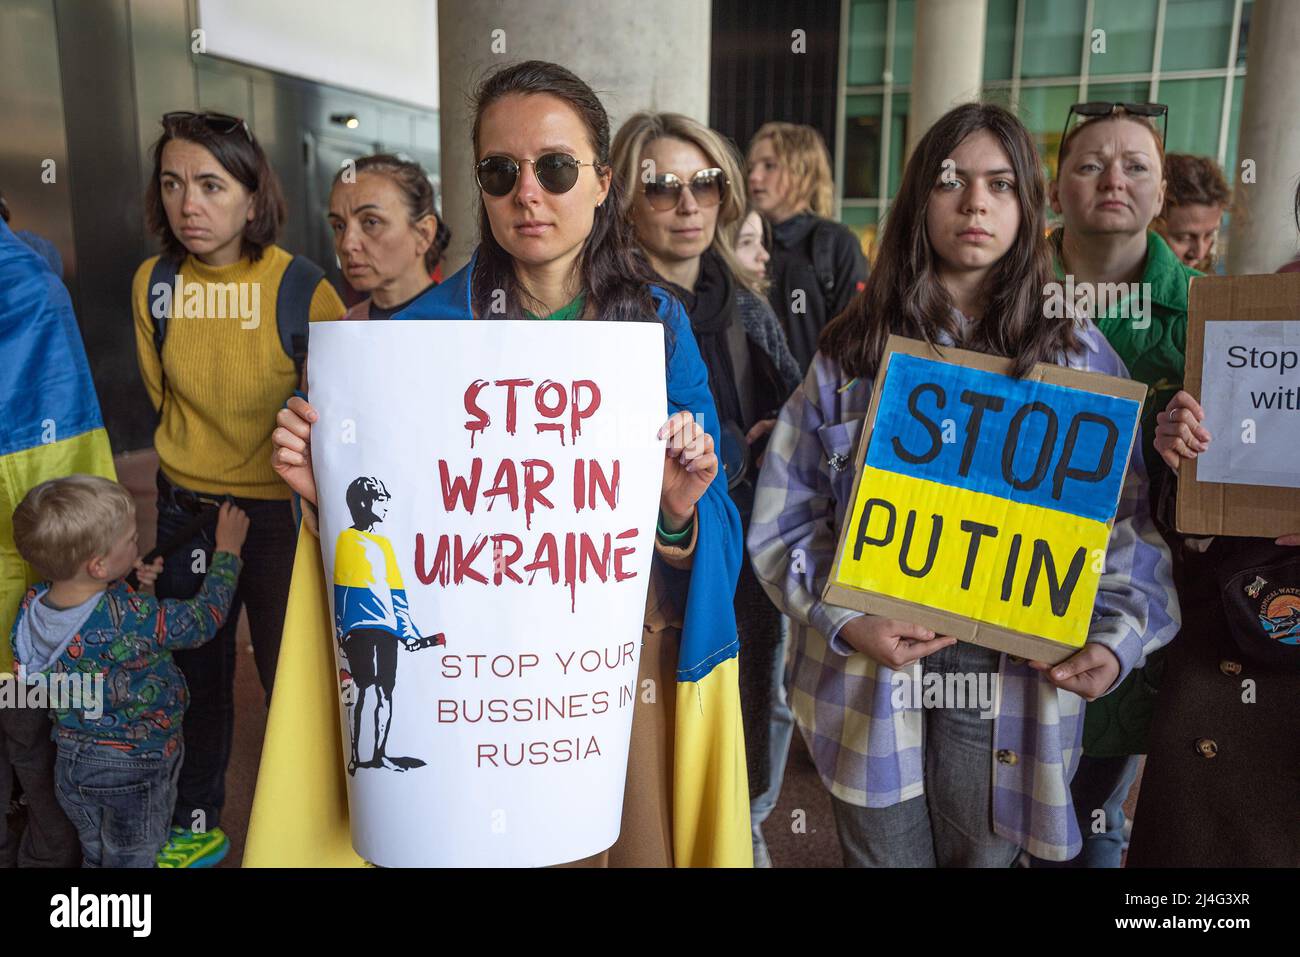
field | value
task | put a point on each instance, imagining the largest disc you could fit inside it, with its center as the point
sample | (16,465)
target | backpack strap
(162,281)
(823,255)
(293,307)
(163,277)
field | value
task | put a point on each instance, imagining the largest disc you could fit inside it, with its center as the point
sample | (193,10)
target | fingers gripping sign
(1179,433)
(690,464)
(291,443)
(1089,672)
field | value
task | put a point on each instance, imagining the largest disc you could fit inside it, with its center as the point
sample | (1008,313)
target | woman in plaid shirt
(963,261)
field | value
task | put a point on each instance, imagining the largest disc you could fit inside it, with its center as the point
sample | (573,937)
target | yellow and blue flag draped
(50,424)
(300,809)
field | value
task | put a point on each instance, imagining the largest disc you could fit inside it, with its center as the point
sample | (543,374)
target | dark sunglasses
(557,172)
(1098,108)
(222,123)
(708,186)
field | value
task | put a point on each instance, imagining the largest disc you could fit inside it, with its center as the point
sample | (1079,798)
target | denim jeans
(781,728)
(210,669)
(120,806)
(1099,784)
(951,825)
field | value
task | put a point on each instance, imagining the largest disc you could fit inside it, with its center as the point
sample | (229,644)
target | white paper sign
(1250,391)
(489,492)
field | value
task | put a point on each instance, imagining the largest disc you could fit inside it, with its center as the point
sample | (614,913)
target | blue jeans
(1099,784)
(120,806)
(951,825)
(210,669)
(781,726)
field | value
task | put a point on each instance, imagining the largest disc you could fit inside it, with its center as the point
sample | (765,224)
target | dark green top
(1155,353)
(572,311)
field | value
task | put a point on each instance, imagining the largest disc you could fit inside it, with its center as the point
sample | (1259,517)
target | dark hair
(362,494)
(615,274)
(1194,181)
(417,191)
(904,294)
(242,157)
(4,208)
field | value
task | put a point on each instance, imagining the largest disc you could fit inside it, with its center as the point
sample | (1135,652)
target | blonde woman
(817,264)
(682,196)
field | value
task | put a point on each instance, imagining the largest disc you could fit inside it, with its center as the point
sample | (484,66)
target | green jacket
(1154,349)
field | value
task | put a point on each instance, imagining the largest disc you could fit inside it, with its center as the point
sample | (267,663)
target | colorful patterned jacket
(129,639)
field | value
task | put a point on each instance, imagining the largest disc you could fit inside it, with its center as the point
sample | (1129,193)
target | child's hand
(894,644)
(1089,672)
(232,528)
(146,575)
(1179,433)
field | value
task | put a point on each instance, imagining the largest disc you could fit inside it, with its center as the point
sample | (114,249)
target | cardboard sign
(488,497)
(983,503)
(1243,344)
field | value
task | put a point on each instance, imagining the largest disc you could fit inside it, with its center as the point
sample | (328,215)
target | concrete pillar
(634,56)
(1263,234)
(947,60)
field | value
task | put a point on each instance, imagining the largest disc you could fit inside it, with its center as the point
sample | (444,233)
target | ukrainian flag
(50,424)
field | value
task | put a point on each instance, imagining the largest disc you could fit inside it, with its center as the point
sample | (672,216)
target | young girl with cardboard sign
(963,262)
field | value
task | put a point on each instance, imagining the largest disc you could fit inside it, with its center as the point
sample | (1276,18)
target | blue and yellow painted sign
(988,497)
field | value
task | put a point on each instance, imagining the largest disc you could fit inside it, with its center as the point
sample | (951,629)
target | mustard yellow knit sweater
(226,372)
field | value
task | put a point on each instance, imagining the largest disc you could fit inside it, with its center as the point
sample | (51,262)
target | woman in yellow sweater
(221,330)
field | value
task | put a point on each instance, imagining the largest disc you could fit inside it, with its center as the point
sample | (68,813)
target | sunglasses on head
(556,172)
(664,192)
(222,123)
(1100,108)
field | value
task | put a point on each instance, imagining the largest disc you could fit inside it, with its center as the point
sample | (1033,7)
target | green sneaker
(184,848)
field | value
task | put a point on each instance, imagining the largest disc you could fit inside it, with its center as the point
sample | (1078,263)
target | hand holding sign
(689,466)
(1089,673)
(291,457)
(1179,433)
(892,643)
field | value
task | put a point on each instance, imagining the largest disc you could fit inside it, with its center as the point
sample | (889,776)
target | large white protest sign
(1250,391)
(488,496)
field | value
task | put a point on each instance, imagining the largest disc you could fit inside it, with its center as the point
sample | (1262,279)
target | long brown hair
(904,295)
(616,276)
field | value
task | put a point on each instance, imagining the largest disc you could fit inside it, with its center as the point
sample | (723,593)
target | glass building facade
(1040,56)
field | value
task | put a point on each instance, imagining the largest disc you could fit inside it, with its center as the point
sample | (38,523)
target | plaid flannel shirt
(868,752)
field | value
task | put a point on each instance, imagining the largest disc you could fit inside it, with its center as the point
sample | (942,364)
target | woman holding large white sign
(554,246)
